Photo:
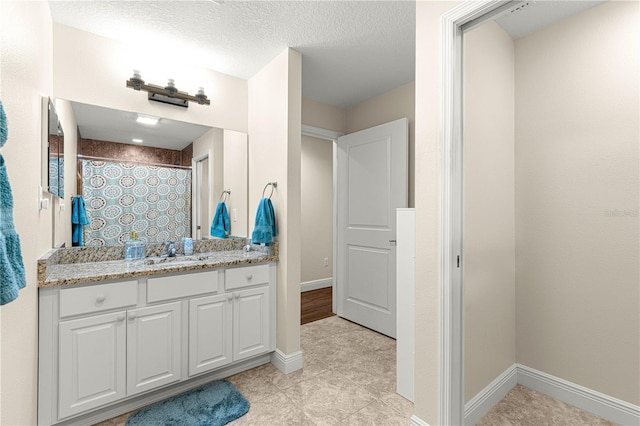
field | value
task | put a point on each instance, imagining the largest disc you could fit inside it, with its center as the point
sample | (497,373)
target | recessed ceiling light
(136,140)
(147,120)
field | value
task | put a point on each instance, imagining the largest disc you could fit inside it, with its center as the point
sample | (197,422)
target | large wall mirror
(138,173)
(55,149)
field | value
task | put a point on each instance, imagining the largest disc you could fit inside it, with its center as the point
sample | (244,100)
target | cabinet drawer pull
(249,277)
(101,298)
(132,315)
(120,318)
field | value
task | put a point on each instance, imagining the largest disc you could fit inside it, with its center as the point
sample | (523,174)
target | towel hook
(273,185)
(225,195)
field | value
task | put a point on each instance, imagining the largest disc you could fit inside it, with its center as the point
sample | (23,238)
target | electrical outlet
(326,261)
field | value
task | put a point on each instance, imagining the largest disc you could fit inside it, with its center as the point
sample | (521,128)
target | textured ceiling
(530,16)
(352,50)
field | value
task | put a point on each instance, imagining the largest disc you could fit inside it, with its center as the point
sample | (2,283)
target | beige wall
(100,77)
(275,115)
(324,116)
(62,208)
(489,209)
(317,208)
(25,63)
(210,144)
(236,178)
(577,138)
(394,104)
(427,201)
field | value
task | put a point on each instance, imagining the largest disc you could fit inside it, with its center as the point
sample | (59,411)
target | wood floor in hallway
(315,305)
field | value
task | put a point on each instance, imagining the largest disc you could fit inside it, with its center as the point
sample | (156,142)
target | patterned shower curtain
(155,201)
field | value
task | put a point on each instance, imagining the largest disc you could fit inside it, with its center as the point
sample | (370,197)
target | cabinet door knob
(120,318)
(101,298)
(229,297)
(249,277)
(236,295)
(132,315)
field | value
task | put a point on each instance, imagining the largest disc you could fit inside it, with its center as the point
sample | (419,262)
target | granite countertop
(72,266)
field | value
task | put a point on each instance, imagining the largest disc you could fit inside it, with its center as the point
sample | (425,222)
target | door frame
(330,135)
(195,177)
(460,18)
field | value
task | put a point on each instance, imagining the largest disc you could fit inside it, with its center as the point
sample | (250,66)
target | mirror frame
(55,150)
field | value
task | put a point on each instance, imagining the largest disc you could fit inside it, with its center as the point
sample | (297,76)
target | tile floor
(349,378)
(525,407)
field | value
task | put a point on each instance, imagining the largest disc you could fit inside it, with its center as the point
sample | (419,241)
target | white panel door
(372,184)
(153,347)
(210,333)
(92,369)
(250,323)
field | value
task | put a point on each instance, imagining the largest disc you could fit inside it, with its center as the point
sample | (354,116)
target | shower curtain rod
(115,160)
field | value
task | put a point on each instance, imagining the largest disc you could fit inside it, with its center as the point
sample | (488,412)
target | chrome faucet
(171,249)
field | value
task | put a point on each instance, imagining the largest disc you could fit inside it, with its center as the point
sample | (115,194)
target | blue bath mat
(215,404)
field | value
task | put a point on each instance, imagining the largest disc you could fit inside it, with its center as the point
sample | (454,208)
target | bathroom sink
(175,260)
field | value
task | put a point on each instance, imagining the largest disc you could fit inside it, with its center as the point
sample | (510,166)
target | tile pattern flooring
(349,378)
(525,407)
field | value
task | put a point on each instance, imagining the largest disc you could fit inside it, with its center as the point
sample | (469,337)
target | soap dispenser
(133,248)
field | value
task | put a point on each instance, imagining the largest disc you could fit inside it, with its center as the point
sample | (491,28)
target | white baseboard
(287,363)
(417,421)
(480,404)
(602,405)
(605,406)
(316,284)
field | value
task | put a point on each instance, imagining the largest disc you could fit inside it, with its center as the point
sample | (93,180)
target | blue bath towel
(4,132)
(78,220)
(265,228)
(220,226)
(12,277)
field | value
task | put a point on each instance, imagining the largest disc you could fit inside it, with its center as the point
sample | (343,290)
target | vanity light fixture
(136,140)
(168,94)
(145,119)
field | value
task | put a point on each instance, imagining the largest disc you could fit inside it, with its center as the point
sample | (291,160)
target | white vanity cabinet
(99,354)
(251,330)
(153,347)
(92,365)
(210,337)
(108,348)
(232,326)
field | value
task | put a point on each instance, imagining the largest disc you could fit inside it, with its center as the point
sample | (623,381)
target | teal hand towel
(78,220)
(220,226)
(265,227)
(12,276)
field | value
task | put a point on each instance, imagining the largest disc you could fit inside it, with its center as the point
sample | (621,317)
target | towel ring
(273,185)
(225,195)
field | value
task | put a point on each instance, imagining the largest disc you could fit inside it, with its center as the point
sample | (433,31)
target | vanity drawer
(246,276)
(96,298)
(179,286)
